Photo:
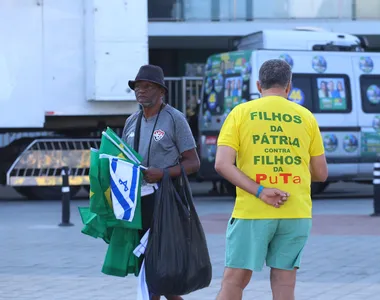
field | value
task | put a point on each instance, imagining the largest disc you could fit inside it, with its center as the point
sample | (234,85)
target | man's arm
(318,168)
(186,146)
(228,146)
(225,166)
(190,162)
(318,165)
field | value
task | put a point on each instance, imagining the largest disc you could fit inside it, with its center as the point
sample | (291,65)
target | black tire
(87,189)
(45,192)
(318,187)
(25,192)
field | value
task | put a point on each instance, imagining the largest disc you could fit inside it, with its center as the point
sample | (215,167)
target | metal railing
(183,90)
(237,10)
(41,162)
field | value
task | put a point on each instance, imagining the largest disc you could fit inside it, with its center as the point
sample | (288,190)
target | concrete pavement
(40,260)
(334,190)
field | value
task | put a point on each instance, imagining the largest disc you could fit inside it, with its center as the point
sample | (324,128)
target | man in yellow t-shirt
(278,150)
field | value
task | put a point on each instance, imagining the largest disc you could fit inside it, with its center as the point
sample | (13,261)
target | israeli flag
(125,185)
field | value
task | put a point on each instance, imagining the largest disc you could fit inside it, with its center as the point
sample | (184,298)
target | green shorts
(279,243)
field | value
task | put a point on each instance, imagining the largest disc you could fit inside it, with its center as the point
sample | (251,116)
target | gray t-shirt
(172,136)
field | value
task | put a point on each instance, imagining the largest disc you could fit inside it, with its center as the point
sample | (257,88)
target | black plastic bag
(177,261)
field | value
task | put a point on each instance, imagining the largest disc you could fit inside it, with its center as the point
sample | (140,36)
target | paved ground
(39,260)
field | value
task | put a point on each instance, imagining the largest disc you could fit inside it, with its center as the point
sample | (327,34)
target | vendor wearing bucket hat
(150,80)
(161,135)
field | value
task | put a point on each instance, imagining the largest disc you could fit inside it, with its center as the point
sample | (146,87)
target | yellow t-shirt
(274,139)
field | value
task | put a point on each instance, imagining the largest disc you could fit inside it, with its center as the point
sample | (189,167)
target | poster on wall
(331,94)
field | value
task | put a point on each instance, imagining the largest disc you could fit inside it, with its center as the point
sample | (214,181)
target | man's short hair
(275,73)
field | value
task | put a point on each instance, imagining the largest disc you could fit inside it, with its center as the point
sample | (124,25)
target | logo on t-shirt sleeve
(158,135)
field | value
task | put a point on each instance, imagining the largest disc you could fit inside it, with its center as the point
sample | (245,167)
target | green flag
(119,148)
(98,200)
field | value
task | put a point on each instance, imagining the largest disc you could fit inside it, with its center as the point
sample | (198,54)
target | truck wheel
(45,192)
(24,191)
(87,189)
(318,187)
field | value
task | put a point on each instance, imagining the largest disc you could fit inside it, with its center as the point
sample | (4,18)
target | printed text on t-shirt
(280,153)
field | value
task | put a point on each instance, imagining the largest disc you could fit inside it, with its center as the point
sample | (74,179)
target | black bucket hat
(149,73)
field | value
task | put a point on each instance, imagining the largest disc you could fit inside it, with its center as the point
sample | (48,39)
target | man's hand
(273,197)
(153,175)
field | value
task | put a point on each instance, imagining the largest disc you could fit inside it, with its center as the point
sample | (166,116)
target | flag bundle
(114,213)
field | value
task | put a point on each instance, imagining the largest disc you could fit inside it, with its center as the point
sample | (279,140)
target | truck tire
(318,187)
(45,192)
(87,189)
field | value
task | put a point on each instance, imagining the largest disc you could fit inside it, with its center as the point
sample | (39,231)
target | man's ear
(288,88)
(258,85)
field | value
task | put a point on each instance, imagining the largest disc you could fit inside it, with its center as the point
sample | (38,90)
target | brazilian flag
(99,204)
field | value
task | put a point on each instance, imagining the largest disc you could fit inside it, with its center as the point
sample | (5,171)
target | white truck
(333,77)
(64,71)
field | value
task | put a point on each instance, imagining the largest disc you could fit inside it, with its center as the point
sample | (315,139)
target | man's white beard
(147,105)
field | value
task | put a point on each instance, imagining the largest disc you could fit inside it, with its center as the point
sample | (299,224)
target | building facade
(183,33)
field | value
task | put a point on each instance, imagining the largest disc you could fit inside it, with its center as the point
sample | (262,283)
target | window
(213,102)
(236,91)
(223,93)
(370,93)
(332,94)
(322,93)
(301,91)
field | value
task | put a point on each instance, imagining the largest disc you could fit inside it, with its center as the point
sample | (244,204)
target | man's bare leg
(283,284)
(233,284)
